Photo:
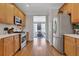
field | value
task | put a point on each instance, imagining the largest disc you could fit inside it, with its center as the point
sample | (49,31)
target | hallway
(39,47)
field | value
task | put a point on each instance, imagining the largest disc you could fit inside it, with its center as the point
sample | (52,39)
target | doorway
(39,27)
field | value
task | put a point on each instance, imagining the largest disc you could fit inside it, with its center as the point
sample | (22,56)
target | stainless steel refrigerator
(61,26)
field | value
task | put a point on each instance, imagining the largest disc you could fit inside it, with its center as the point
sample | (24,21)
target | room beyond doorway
(39,27)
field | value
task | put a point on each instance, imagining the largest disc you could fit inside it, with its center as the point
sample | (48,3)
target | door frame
(46,25)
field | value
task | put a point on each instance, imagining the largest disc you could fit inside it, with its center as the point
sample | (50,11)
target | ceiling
(38,8)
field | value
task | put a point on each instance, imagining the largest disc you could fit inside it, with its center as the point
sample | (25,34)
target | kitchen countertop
(72,35)
(7,35)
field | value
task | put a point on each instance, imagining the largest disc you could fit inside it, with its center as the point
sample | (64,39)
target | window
(39,18)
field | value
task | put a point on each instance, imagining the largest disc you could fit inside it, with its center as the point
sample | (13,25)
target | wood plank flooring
(39,47)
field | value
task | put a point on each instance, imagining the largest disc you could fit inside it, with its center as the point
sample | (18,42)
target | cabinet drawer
(16,43)
(77,42)
(69,39)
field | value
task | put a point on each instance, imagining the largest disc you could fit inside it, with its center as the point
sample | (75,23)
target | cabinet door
(23,21)
(17,12)
(2,13)
(77,47)
(75,13)
(9,14)
(69,46)
(1,47)
(16,43)
(8,46)
(66,8)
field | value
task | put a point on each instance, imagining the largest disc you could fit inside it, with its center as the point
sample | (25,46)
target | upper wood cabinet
(75,13)
(73,9)
(66,8)
(10,13)
(17,12)
(2,12)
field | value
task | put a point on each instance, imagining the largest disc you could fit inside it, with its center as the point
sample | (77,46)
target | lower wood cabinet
(1,47)
(9,45)
(71,46)
(77,47)
(16,43)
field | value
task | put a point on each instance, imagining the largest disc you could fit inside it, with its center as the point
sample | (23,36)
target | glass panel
(43,30)
(43,27)
(34,30)
(39,18)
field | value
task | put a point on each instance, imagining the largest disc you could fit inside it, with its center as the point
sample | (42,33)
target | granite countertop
(72,35)
(7,35)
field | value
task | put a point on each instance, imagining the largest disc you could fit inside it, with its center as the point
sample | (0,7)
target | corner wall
(28,25)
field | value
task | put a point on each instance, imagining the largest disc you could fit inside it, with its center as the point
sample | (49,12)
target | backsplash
(2,26)
(76,26)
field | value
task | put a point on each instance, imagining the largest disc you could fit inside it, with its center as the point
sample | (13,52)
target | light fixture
(27,5)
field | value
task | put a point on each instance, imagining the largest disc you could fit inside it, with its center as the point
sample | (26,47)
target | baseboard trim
(58,51)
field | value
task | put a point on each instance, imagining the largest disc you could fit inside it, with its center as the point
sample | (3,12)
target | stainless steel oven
(23,39)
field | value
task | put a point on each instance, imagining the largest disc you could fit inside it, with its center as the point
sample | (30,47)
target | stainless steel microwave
(17,20)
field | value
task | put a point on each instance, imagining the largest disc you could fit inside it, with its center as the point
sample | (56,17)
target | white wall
(28,26)
(51,14)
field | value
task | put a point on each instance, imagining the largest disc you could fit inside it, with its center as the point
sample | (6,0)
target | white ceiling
(38,8)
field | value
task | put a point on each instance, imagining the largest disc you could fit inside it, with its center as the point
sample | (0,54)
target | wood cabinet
(9,13)
(16,43)
(27,36)
(69,46)
(8,46)
(6,13)
(77,42)
(1,47)
(2,12)
(73,9)
(75,13)
(17,12)
(67,7)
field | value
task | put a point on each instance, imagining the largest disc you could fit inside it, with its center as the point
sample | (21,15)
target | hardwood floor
(39,47)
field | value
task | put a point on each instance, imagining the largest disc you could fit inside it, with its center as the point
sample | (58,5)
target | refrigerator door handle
(55,27)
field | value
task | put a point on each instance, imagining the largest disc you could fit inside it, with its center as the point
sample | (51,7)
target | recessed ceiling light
(27,5)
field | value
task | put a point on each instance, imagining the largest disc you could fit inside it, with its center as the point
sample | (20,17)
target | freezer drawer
(58,43)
